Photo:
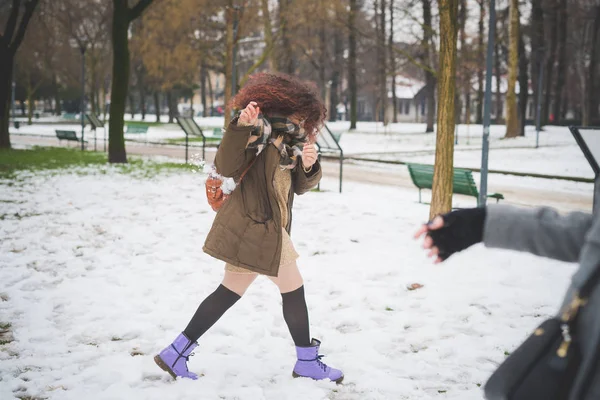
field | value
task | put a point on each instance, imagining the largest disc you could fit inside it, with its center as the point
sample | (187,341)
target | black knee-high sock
(295,314)
(209,312)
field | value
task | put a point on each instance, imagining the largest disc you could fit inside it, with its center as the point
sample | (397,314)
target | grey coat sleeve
(541,231)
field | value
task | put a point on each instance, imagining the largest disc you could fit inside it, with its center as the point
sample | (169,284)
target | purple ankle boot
(309,364)
(174,357)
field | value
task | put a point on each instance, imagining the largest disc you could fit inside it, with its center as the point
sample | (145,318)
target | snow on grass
(101,271)
(408,143)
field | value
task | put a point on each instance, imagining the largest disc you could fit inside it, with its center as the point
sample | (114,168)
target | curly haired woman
(274,152)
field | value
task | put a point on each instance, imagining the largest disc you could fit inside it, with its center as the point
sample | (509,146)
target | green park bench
(217,133)
(137,129)
(70,116)
(70,136)
(462,181)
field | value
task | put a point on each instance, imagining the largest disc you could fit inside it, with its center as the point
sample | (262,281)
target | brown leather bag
(214,191)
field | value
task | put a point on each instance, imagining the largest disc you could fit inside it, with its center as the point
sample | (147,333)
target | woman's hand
(249,115)
(309,155)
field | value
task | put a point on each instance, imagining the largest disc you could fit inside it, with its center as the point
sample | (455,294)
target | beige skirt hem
(288,255)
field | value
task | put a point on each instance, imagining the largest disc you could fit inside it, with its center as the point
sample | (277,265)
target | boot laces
(320,363)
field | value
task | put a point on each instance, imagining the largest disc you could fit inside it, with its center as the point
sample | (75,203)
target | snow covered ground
(558,153)
(99,272)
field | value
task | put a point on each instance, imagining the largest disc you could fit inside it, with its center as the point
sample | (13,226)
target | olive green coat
(247,231)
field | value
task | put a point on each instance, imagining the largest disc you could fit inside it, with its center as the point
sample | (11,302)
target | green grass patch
(60,158)
(46,158)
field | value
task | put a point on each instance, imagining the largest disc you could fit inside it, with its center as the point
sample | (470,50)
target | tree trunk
(30,103)
(55,90)
(323,40)
(498,72)
(131,106)
(430,80)
(464,76)
(142,88)
(338,53)
(561,55)
(211,96)
(287,59)
(592,67)
(228,60)
(441,201)
(383,65)
(6,66)
(157,105)
(549,72)
(481,64)
(104,102)
(170,104)
(537,52)
(10,40)
(268,30)
(523,85)
(393,64)
(203,89)
(352,84)
(191,104)
(120,82)
(512,119)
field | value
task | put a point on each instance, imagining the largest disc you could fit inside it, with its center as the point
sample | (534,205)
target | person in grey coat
(574,237)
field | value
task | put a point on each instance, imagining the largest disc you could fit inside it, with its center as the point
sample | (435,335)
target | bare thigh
(238,282)
(289,278)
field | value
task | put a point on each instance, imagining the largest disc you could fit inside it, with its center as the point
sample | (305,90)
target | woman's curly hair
(277,93)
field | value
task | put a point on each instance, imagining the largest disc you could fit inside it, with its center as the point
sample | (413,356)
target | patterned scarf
(288,137)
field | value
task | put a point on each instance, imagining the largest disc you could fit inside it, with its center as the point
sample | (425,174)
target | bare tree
(123,15)
(352,86)
(10,40)
(512,119)
(441,201)
(430,80)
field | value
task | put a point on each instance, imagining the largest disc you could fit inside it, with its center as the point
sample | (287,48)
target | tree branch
(12,22)
(29,8)
(257,64)
(138,9)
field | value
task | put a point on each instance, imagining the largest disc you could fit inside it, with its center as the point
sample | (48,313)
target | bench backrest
(462,179)
(96,123)
(137,129)
(69,116)
(66,135)
(189,126)
(217,133)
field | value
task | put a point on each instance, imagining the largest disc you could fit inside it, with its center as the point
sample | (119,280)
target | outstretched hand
(434,251)
(452,232)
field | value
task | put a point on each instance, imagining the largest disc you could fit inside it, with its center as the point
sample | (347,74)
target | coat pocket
(255,200)
(258,244)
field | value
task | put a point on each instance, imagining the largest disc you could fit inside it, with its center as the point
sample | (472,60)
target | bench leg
(419,195)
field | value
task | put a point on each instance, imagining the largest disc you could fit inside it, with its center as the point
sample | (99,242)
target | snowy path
(563,195)
(97,269)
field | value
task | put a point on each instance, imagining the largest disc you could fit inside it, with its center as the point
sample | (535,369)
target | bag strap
(580,297)
(588,285)
(246,170)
